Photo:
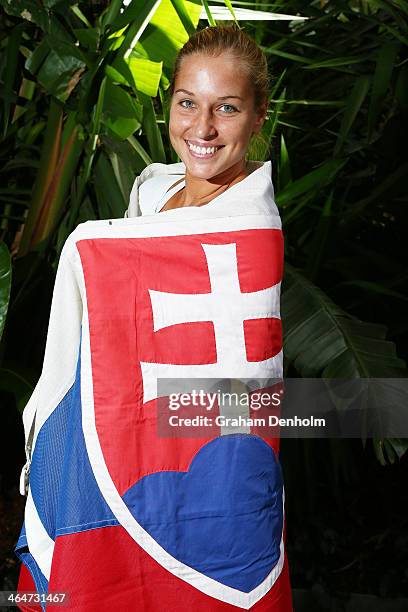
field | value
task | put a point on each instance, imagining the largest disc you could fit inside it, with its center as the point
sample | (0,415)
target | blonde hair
(215,40)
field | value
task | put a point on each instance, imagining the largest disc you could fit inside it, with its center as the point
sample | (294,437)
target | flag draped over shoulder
(117,515)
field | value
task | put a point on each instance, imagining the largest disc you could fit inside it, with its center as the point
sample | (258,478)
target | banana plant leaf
(320,176)
(5,284)
(156,40)
(15,383)
(322,340)
(31,10)
(137,72)
(122,113)
(111,201)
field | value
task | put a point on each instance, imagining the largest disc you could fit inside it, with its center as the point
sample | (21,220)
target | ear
(261,116)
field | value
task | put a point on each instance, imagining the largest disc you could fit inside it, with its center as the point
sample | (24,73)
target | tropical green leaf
(318,245)
(35,60)
(387,451)
(10,70)
(119,72)
(286,55)
(65,170)
(401,89)
(285,173)
(50,151)
(165,34)
(184,16)
(381,81)
(399,446)
(321,339)
(53,3)
(140,150)
(137,24)
(121,169)
(146,74)
(207,9)
(126,165)
(290,215)
(136,13)
(122,114)
(152,130)
(17,385)
(5,284)
(324,174)
(352,108)
(111,202)
(229,6)
(61,68)
(393,179)
(30,10)
(88,38)
(270,126)
(374,288)
(78,13)
(112,12)
(336,62)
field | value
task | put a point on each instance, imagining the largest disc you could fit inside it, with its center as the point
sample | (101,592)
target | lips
(200,151)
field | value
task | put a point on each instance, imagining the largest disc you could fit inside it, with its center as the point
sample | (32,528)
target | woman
(219,100)
(121,512)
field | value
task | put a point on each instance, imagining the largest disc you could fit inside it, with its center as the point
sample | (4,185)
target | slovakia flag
(117,516)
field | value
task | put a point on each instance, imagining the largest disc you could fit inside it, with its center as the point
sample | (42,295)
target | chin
(200,169)
(201,174)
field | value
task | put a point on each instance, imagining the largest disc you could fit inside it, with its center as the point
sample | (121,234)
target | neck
(198,191)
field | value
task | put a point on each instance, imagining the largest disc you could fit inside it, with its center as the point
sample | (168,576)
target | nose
(205,124)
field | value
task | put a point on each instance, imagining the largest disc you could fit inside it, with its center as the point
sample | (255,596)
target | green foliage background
(84,109)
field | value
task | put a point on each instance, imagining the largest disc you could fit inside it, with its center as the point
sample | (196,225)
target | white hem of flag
(39,543)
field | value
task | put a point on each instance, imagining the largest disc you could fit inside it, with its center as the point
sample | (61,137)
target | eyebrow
(190,93)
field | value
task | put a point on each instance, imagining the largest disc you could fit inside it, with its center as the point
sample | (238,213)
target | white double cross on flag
(227,308)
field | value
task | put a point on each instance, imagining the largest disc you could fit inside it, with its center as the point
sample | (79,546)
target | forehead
(201,73)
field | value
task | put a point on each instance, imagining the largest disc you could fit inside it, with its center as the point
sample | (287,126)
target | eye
(232,108)
(182,103)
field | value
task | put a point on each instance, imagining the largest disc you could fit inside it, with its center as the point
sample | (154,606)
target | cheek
(172,122)
(241,131)
(177,123)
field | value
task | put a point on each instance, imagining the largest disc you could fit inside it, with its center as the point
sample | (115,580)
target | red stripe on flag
(104,569)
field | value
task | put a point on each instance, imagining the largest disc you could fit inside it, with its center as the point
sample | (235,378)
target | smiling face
(212,114)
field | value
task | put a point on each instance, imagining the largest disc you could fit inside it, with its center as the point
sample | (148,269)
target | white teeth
(202,150)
